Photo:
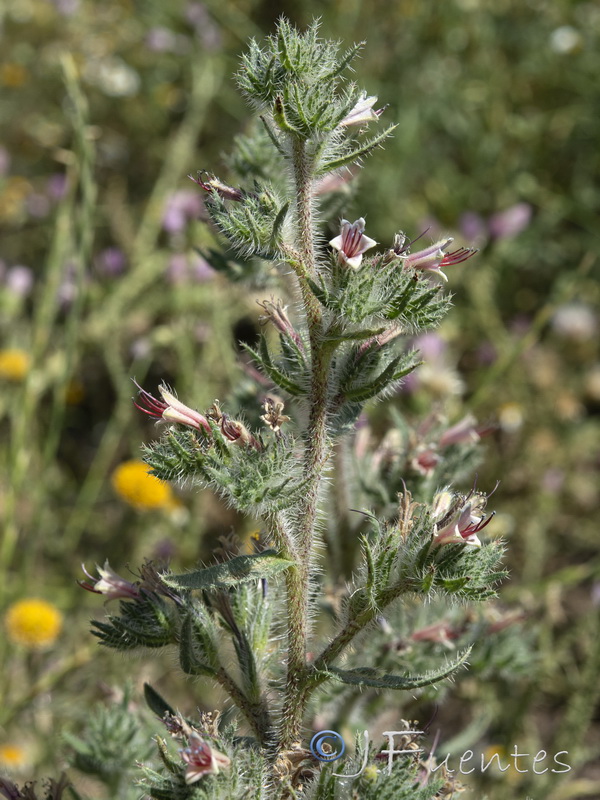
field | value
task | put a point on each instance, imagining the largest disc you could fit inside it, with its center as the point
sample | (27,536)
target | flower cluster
(170,409)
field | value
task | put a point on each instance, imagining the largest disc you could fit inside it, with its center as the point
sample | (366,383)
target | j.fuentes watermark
(330,746)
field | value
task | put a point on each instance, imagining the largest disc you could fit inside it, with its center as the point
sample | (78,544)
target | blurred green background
(104,109)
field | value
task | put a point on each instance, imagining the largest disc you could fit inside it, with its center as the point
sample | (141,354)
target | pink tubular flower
(434,257)
(459,523)
(170,409)
(510,222)
(352,243)
(441,632)
(201,759)
(425,460)
(362,112)
(181,207)
(235,432)
(463,431)
(111,585)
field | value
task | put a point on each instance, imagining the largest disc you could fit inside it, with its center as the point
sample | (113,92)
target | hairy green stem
(352,628)
(316,454)
(257,714)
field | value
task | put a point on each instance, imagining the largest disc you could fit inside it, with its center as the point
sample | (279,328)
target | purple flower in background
(66,7)
(177,269)
(110,262)
(57,186)
(204,27)
(553,480)
(4,161)
(37,205)
(430,225)
(463,431)
(200,269)
(19,280)
(510,222)
(68,289)
(501,225)
(181,207)
(161,40)
(473,226)
(189,268)
(430,345)
(486,354)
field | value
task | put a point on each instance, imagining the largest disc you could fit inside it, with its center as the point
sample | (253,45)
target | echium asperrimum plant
(277,628)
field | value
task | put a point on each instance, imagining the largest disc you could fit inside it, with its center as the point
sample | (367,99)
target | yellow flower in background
(33,623)
(13,75)
(12,198)
(14,364)
(12,756)
(132,481)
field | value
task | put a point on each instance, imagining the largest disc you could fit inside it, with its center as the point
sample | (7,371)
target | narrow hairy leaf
(156,702)
(357,154)
(237,570)
(388,376)
(378,679)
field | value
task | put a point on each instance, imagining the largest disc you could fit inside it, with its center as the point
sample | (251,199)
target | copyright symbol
(327,746)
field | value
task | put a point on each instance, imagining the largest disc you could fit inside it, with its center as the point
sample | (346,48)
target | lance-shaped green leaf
(355,155)
(370,677)
(196,645)
(174,767)
(390,374)
(336,336)
(278,224)
(264,360)
(454,584)
(344,61)
(237,570)
(156,702)
(273,137)
(321,292)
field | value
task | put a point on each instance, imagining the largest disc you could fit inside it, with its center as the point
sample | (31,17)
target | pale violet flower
(464,431)
(458,520)
(170,409)
(352,243)
(201,759)
(434,257)
(510,222)
(362,112)
(113,586)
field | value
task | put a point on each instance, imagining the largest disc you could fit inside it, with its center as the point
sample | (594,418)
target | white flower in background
(112,76)
(565,39)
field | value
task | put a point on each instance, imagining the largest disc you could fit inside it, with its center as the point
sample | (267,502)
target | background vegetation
(105,108)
